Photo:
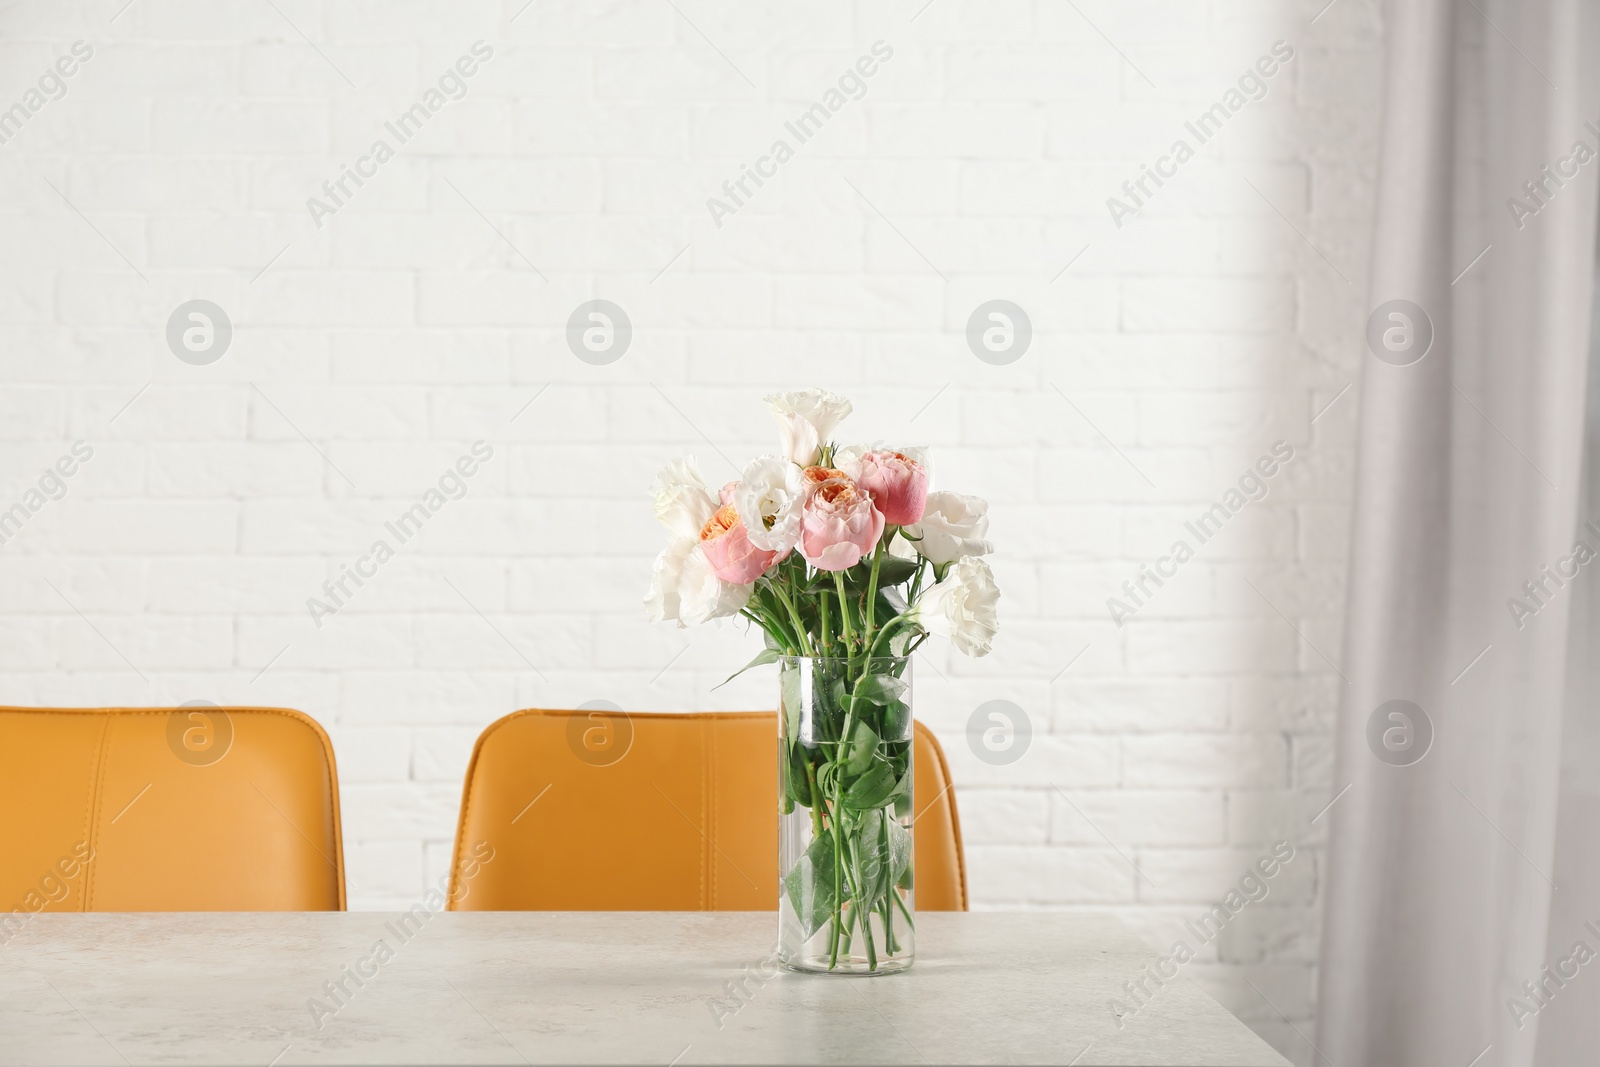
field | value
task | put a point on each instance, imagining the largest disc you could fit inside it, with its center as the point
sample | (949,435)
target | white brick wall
(1169,756)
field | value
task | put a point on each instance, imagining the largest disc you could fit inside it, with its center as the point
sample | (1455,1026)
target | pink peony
(728,549)
(839,526)
(897,483)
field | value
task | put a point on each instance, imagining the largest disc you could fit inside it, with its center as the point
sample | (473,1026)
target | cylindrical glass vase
(844,824)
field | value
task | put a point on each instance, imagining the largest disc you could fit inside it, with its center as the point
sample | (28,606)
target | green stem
(884,633)
(826,638)
(816,816)
(866,670)
(838,902)
(888,892)
(906,912)
(844,608)
(872,588)
(916,580)
(863,908)
(772,624)
(799,627)
(852,884)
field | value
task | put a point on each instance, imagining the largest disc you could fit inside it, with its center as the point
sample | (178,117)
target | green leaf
(881,688)
(885,851)
(901,848)
(789,697)
(873,789)
(796,788)
(867,847)
(902,803)
(809,884)
(900,641)
(893,570)
(897,720)
(863,747)
(764,657)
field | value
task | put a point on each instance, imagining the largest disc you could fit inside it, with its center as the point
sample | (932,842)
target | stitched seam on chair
(469,788)
(91,811)
(333,801)
(955,819)
(706,851)
(469,791)
(465,816)
(711,806)
(706,720)
(298,716)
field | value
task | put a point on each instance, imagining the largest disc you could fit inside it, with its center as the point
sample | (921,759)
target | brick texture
(374,343)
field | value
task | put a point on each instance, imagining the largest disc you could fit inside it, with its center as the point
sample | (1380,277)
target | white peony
(963,607)
(684,590)
(769,495)
(806,419)
(682,502)
(953,526)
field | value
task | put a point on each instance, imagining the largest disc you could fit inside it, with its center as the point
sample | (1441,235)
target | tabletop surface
(592,987)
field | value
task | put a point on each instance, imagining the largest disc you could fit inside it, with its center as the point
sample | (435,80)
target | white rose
(768,497)
(682,502)
(805,420)
(662,603)
(684,590)
(953,526)
(963,607)
(702,596)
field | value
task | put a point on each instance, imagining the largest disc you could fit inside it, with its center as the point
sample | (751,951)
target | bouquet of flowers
(847,562)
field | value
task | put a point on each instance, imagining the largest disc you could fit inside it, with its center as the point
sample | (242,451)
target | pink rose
(839,526)
(814,476)
(725,495)
(897,484)
(728,549)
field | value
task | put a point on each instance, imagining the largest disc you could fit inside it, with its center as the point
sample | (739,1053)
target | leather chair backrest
(684,819)
(197,808)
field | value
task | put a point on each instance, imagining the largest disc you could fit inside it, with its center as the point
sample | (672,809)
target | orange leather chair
(197,808)
(685,820)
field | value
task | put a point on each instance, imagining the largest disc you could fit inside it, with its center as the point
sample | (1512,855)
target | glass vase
(844,815)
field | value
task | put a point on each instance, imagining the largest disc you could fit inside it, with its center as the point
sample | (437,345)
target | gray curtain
(1441,896)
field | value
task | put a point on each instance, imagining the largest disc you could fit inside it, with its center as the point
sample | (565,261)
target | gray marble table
(582,988)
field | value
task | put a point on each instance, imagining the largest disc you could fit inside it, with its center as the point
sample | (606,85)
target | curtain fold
(1441,894)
